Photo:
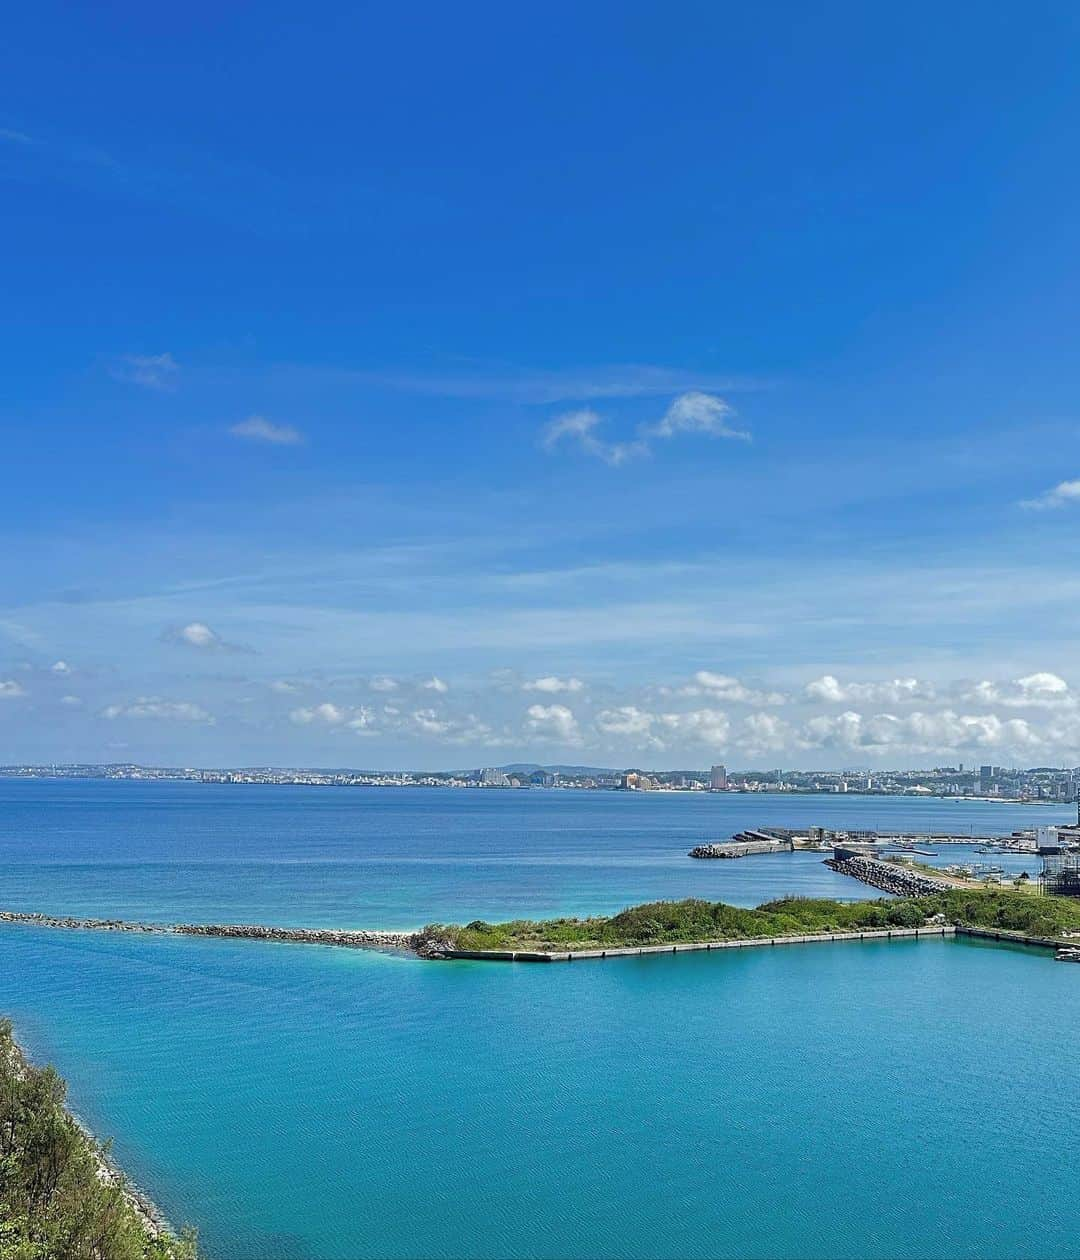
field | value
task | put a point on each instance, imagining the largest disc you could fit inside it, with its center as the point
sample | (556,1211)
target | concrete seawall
(638,951)
(1009,938)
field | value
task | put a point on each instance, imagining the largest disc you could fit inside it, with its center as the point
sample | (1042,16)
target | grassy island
(676,922)
(59,1196)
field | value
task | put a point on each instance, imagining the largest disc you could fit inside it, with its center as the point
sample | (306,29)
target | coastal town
(1035,785)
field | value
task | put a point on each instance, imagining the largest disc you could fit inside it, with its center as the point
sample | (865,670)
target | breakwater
(689,947)
(355,938)
(740,847)
(888,877)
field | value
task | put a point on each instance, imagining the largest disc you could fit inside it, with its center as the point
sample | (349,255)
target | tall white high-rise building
(718,779)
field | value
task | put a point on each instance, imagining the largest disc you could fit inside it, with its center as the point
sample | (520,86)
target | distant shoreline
(441,780)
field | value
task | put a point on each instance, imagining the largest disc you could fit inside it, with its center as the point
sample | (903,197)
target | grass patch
(674,922)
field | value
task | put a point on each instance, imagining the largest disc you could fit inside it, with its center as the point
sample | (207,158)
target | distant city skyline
(1036,785)
(578,394)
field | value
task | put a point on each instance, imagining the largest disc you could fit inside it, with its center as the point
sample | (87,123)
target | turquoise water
(907,1099)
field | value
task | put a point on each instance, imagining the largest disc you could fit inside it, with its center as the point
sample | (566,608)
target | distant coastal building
(635,781)
(491,777)
(718,779)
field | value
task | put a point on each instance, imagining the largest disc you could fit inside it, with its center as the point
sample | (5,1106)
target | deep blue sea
(907,1099)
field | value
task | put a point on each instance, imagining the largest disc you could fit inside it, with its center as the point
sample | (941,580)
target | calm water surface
(864,1100)
(398,858)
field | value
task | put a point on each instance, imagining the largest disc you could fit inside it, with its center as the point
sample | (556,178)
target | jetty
(760,840)
(745,844)
(348,938)
(901,881)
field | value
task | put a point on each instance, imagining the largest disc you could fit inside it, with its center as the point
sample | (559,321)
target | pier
(761,840)
(745,844)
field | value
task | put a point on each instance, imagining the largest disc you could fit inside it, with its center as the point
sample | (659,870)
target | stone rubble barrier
(358,938)
(888,877)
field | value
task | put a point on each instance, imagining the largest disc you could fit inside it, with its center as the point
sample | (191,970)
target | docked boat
(1069,953)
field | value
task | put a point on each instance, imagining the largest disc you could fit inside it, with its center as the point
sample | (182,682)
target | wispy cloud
(1061,495)
(152,371)
(10,689)
(9,136)
(155,707)
(532,387)
(259,429)
(579,427)
(692,412)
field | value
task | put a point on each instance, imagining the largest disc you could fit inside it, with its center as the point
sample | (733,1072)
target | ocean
(905,1099)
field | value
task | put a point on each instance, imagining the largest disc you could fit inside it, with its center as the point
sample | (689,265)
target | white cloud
(437,684)
(259,429)
(1034,691)
(383,683)
(331,714)
(60,667)
(356,718)
(152,371)
(695,412)
(627,720)
(710,727)
(72,702)
(363,721)
(918,733)
(10,689)
(579,427)
(198,635)
(553,686)
(724,687)
(283,688)
(155,707)
(449,730)
(889,691)
(553,722)
(692,412)
(1061,495)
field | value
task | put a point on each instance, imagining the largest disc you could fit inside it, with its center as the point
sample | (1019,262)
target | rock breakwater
(359,938)
(899,880)
(356,938)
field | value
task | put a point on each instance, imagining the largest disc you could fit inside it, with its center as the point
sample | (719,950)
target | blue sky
(435,385)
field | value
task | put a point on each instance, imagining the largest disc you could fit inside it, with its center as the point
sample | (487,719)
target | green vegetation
(671,922)
(1008,911)
(54,1202)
